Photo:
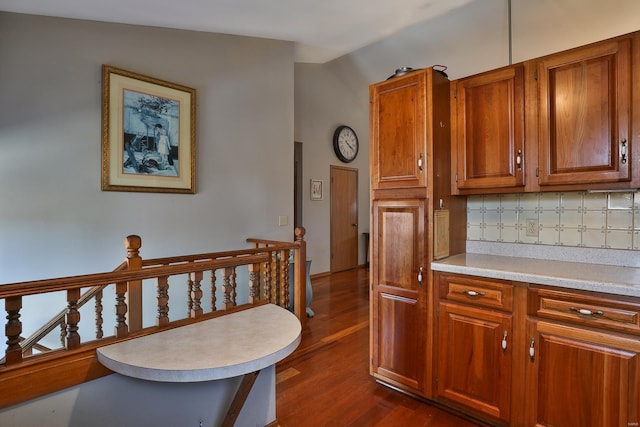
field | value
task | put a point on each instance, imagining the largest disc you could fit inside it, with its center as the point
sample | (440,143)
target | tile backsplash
(580,219)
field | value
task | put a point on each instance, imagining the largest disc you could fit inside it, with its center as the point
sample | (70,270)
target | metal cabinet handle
(420,161)
(504,342)
(420,271)
(473,293)
(586,312)
(519,159)
(532,350)
(623,151)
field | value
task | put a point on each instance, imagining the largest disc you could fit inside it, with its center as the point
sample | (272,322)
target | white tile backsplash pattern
(580,219)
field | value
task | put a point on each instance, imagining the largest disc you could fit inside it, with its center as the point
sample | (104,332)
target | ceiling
(321,30)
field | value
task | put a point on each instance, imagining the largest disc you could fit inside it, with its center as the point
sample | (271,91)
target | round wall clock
(345,143)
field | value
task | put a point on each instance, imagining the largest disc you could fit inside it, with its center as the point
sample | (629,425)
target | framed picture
(148,134)
(316,189)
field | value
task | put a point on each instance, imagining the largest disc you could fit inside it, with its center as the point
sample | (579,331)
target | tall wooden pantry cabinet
(412,208)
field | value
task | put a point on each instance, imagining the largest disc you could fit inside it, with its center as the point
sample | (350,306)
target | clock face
(345,143)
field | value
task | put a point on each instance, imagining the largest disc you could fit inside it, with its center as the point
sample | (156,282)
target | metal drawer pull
(473,293)
(586,312)
(420,271)
(504,342)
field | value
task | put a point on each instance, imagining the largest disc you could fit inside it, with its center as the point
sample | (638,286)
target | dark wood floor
(326,381)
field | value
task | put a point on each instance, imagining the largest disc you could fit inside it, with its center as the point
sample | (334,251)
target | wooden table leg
(239,399)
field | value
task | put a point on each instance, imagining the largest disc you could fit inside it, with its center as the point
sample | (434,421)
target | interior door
(344,218)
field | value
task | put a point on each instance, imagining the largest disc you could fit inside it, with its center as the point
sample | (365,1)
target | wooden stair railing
(279,258)
(28,344)
(24,376)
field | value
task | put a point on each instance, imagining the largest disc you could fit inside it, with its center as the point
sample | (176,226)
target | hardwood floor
(326,381)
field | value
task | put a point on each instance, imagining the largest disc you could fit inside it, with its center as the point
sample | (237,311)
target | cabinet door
(474,369)
(584,115)
(582,378)
(398,298)
(398,132)
(489,129)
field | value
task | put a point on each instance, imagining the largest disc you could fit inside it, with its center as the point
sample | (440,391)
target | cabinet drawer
(476,291)
(599,311)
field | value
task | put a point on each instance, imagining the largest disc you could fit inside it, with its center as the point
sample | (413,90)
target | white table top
(224,347)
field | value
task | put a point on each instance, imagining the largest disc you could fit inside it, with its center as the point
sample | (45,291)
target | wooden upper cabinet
(398,132)
(584,114)
(488,130)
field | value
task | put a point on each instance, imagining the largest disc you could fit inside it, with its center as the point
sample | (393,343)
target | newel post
(300,276)
(133,244)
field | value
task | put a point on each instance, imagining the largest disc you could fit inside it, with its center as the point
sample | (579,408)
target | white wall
(55,220)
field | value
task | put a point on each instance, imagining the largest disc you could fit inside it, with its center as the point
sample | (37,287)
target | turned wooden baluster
(73,318)
(189,295)
(121,328)
(275,276)
(228,285)
(213,291)
(254,283)
(267,281)
(13,329)
(98,310)
(133,244)
(300,276)
(63,333)
(234,288)
(163,301)
(284,282)
(195,296)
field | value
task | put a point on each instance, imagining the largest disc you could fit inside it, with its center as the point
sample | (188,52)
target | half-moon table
(242,343)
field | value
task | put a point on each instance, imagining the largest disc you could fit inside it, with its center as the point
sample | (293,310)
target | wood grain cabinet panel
(474,369)
(582,378)
(398,298)
(585,114)
(488,130)
(398,114)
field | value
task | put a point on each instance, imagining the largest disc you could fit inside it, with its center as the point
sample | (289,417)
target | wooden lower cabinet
(473,368)
(570,358)
(475,345)
(582,378)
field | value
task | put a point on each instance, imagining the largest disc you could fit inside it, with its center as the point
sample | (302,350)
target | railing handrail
(102,279)
(217,255)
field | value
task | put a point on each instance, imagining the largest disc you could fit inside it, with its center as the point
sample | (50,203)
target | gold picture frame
(148,134)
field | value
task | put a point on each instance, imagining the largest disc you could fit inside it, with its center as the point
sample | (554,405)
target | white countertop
(613,279)
(224,347)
